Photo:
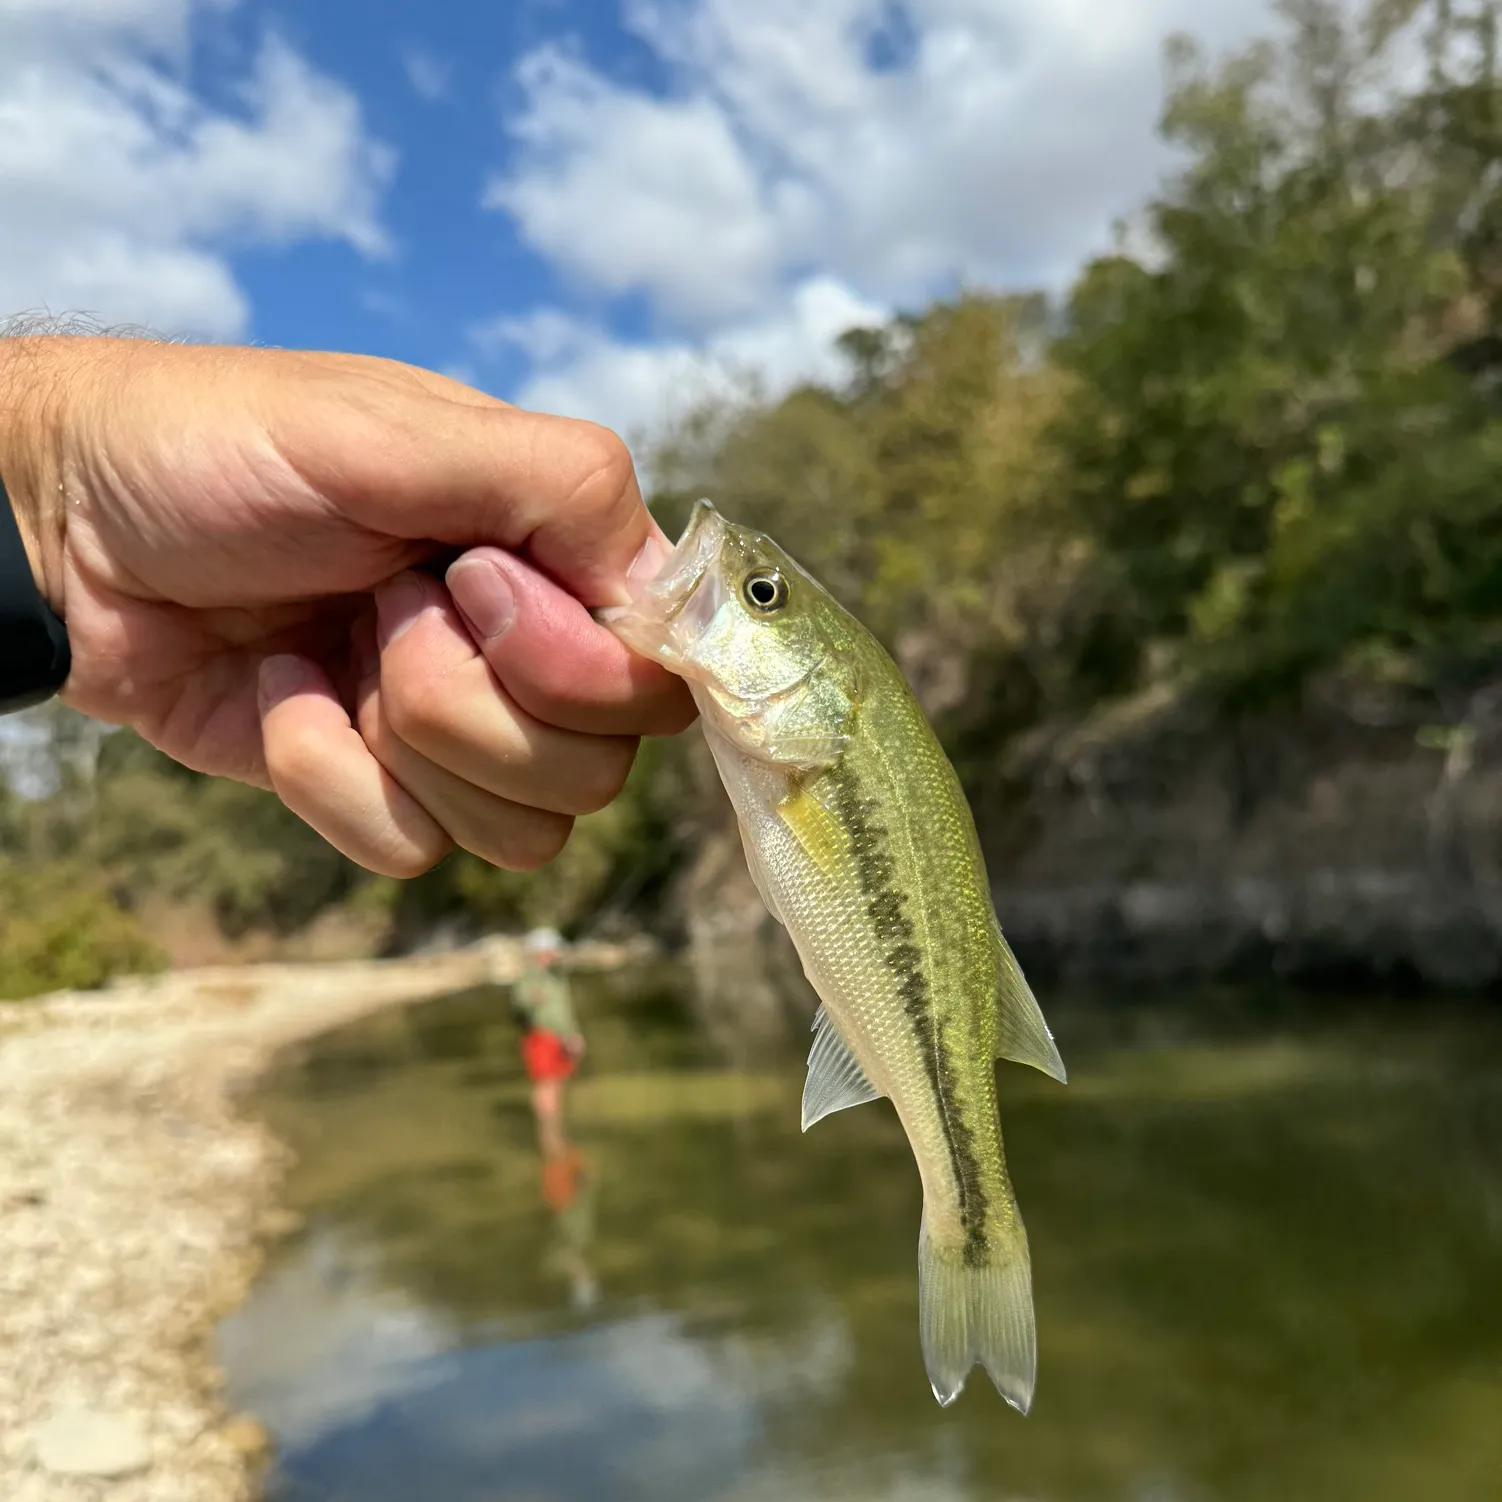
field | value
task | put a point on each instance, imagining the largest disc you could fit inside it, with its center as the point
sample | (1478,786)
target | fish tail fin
(978,1308)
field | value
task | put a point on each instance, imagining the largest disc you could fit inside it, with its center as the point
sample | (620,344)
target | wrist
(30,454)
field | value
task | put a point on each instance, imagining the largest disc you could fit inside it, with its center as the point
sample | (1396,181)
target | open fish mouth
(675,609)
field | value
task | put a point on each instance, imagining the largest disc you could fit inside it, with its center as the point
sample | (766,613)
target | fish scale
(860,840)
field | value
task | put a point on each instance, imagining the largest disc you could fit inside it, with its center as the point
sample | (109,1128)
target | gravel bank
(135,1204)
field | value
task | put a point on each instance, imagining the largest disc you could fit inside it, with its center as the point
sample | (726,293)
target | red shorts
(545,1057)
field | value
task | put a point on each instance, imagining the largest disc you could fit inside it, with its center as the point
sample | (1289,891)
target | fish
(862,844)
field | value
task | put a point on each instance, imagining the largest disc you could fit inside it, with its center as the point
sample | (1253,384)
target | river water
(1267,1249)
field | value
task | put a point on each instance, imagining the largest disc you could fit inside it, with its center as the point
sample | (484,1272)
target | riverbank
(136,1204)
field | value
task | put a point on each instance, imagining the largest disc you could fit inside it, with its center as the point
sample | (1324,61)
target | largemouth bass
(861,843)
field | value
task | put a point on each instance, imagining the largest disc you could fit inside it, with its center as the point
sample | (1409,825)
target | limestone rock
(81,1441)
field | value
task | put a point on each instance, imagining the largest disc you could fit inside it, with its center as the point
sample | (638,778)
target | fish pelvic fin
(978,1310)
(1021,1033)
(835,1080)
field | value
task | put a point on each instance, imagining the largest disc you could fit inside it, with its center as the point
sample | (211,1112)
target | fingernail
(484,596)
(398,603)
(655,552)
(280,678)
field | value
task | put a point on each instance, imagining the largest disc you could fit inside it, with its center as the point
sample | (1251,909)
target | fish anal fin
(1021,1033)
(814,827)
(835,1080)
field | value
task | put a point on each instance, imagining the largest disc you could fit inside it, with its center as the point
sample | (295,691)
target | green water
(1267,1245)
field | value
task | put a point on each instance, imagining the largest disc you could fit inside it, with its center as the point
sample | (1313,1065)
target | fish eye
(765,591)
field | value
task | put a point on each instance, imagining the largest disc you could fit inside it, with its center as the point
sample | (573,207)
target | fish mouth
(672,612)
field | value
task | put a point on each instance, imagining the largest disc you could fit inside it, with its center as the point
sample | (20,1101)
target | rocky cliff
(1351,844)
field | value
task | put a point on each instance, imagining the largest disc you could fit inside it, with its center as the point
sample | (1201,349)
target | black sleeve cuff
(34,656)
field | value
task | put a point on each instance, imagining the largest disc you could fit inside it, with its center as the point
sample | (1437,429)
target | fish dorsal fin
(814,827)
(835,1080)
(1021,1033)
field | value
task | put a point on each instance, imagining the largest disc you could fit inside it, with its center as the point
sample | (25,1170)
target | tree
(1267,438)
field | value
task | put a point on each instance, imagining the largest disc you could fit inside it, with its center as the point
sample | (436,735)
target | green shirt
(543,995)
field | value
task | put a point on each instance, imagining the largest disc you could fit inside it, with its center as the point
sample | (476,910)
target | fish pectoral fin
(814,827)
(1021,1033)
(836,1080)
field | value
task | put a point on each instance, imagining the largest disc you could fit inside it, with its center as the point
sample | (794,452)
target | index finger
(415,461)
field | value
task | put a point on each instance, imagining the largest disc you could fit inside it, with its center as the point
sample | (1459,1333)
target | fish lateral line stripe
(875,871)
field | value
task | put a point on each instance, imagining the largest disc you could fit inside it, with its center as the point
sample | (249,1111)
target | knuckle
(603,774)
(609,475)
(415,705)
(604,451)
(411,857)
(297,760)
(534,837)
(675,713)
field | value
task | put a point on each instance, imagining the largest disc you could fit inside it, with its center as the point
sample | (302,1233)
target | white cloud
(429,76)
(998,148)
(120,188)
(687,225)
(323,1344)
(581,371)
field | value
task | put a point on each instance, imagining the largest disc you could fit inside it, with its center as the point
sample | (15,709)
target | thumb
(423,459)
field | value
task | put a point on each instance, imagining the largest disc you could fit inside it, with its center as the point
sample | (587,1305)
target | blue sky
(597,206)
(434,81)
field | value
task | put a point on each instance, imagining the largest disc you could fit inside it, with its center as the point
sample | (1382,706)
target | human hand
(574,1043)
(231,536)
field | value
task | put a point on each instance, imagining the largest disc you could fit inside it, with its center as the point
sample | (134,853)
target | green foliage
(156,827)
(61,929)
(904,492)
(923,495)
(1269,438)
(1262,440)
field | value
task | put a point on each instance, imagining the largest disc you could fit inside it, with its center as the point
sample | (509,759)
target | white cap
(543,941)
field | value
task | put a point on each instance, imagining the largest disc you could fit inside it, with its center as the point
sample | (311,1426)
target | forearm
(33,389)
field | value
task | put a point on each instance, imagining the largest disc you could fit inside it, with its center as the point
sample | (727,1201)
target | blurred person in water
(553,1044)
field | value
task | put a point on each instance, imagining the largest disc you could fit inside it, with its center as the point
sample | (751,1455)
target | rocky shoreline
(136,1204)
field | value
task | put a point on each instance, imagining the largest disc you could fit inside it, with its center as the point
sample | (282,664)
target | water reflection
(569,1185)
(1266,1248)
